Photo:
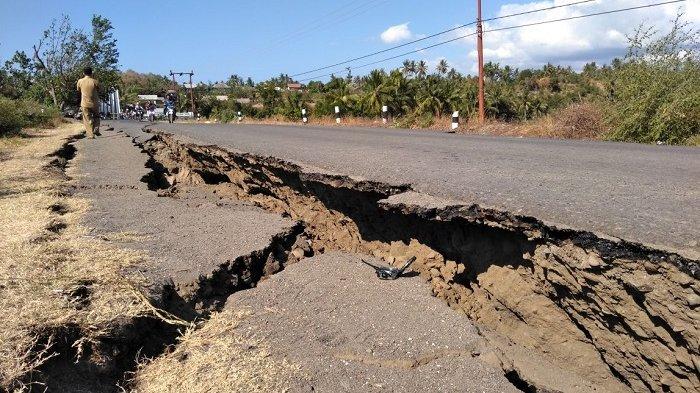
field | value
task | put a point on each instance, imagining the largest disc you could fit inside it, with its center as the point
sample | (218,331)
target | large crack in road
(562,306)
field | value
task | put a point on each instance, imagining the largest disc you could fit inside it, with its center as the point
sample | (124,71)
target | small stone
(641,283)
(434,272)
(651,267)
(594,260)
(693,300)
(680,278)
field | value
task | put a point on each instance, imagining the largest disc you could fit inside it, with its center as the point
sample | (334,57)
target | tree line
(649,95)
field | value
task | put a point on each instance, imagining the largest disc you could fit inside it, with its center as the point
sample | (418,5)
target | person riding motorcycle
(139,111)
(170,100)
(151,110)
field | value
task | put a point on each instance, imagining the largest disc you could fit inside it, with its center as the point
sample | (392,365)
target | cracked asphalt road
(641,193)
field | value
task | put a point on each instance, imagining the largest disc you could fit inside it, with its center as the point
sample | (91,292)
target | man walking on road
(89,102)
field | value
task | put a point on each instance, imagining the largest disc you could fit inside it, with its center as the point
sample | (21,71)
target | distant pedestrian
(89,102)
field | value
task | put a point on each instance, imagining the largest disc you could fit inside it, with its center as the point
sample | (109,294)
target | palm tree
(453,74)
(422,69)
(409,67)
(442,67)
(376,92)
(434,95)
(338,93)
(400,92)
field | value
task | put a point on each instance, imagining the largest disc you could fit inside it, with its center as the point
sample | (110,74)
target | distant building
(244,101)
(221,98)
(294,86)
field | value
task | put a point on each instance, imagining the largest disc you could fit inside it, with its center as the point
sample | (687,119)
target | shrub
(17,114)
(583,120)
(655,94)
(10,118)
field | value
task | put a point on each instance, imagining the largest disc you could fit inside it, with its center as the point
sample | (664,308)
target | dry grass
(217,358)
(578,121)
(53,275)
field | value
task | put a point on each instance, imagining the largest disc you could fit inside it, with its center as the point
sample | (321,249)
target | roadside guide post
(337,115)
(385,114)
(455,120)
(303,115)
(240,117)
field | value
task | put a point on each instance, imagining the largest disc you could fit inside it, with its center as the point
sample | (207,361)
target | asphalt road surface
(648,194)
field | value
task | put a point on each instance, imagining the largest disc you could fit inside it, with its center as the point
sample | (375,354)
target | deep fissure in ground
(615,314)
(108,363)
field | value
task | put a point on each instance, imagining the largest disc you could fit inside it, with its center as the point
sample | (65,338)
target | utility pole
(480,51)
(191,73)
(172,74)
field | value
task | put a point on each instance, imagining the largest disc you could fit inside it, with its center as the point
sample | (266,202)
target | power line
(338,15)
(505,28)
(438,34)
(586,15)
(342,16)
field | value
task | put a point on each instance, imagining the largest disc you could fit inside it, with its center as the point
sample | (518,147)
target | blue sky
(265,37)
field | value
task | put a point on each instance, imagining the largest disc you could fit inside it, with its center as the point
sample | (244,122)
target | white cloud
(396,33)
(573,42)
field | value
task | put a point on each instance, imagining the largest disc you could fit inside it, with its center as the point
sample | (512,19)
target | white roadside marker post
(303,115)
(455,120)
(239,116)
(385,114)
(337,115)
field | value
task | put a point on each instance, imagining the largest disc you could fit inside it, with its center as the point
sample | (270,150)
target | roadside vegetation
(650,95)
(36,87)
(18,114)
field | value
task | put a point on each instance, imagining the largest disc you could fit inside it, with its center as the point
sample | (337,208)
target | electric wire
(502,29)
(439,34)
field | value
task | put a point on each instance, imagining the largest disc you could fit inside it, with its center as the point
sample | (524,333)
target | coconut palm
(401,97)
(452,74)
(376,92)
(421,69)
(442,67)
(434,96)
(409,67)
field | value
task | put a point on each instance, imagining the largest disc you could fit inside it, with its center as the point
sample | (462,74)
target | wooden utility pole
(191,73)
(480,51)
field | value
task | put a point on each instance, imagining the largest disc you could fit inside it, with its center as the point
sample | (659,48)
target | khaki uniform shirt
(88,88)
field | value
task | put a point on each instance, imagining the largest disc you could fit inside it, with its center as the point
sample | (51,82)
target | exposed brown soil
(604,313)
